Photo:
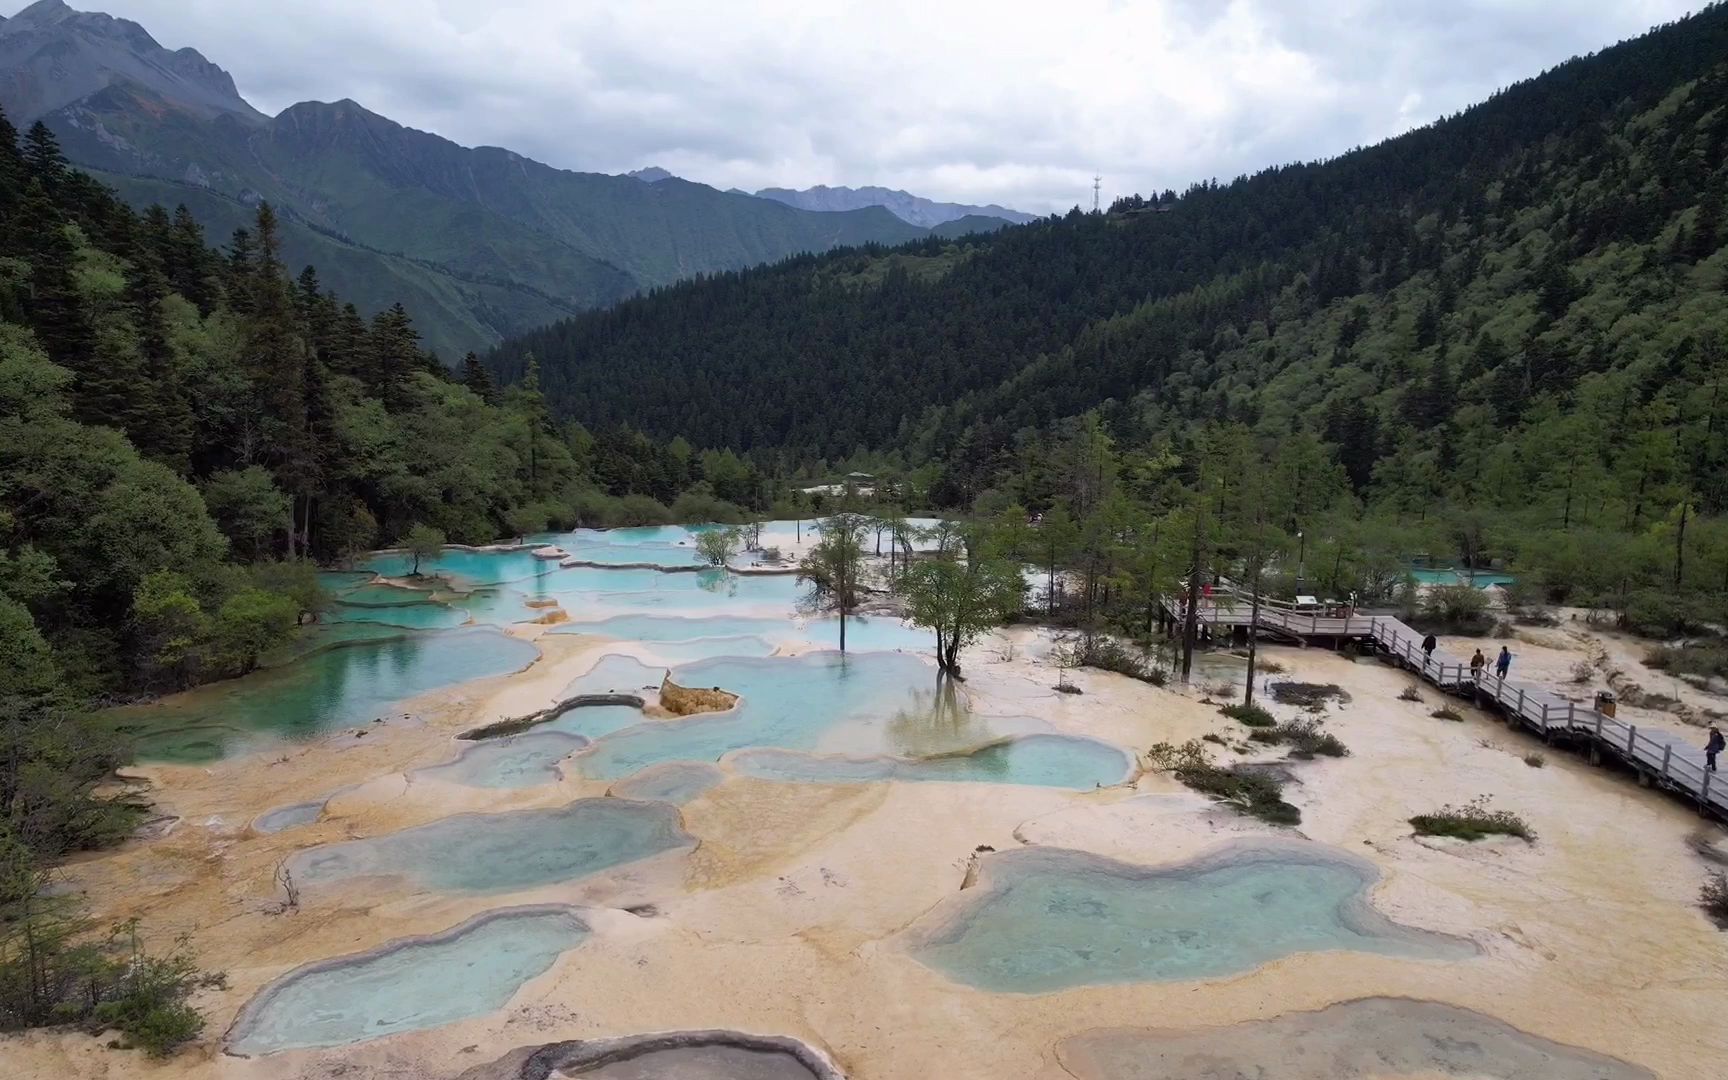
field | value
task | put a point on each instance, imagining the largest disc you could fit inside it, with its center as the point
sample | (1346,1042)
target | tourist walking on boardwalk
(1504,662)
(1477,663)
(1428,644)
(1712,747)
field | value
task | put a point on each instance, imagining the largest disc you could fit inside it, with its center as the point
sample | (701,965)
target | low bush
(1251,715)
(1663,613)
(1305,739)
(1474,820)
(1458,609)
(1535,761)
(1409,694)
(1307,694)
(1246,790)
(1108,654)
(1713,897)
(1698,658)
(1447,712)
(52,972)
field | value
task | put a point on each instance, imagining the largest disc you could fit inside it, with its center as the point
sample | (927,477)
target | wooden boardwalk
(1660,758)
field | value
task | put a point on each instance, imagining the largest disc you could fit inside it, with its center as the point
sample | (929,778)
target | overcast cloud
(1006,102)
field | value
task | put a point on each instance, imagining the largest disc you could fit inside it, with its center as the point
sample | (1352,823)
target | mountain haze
(907,207)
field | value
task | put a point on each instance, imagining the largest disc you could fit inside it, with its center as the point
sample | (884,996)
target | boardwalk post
(1520,703)
(1544,718)
(1571,712)
(1704,795)
(1598,724)
(1631,734)
(1667,752)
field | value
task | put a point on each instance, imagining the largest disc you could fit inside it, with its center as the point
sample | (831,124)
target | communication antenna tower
(1097,186)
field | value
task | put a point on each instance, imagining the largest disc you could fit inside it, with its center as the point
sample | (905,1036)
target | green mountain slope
(1428,305)
(122,104)
(455,314)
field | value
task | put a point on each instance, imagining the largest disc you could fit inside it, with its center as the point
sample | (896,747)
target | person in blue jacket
(1503,663)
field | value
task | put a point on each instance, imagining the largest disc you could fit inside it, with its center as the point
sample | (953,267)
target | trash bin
(1605,702)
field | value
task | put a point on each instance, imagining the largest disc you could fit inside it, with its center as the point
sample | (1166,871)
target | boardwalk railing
(1661,758)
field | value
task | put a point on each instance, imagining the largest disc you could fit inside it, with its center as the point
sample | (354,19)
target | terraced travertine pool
(592,802)
(408,985)
(1048,919)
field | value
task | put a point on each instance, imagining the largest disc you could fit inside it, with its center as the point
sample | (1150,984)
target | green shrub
(1697,658)
(1246,790)
(1409,694)
(1304,737)
(52,972)
(1461,609)
(1535,761)
(1251,715)
(1472,821)
(1447,712)
(1662,613)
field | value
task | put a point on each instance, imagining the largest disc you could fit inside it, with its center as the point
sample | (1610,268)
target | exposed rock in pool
(1370,1037)
(685,700)
(687,1055)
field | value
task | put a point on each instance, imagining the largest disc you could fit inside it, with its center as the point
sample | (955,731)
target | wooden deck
(1660,758)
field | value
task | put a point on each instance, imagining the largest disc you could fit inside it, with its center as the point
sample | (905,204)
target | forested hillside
(183,430)
(1521,306)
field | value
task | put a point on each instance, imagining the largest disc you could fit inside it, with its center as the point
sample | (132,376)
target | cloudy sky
(1004,101)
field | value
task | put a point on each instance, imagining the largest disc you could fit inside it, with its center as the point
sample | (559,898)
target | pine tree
(43,158)
(14,175)
(163,428)
(393,354)
(476,378)
(239,271)
(188,262)
(58,312)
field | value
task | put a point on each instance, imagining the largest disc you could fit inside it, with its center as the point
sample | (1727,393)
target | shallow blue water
(407,986)
(1051,919)
(334,688)
(870,703)
(494,853)
(288,817)
(863,633)
(673,782)
(516,761)
(1038,760)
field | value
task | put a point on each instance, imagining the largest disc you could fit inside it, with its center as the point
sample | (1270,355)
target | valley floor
(799,908)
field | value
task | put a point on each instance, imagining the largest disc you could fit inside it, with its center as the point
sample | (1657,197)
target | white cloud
(962,99)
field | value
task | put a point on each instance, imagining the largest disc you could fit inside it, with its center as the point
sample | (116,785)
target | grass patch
(1307,694)
(1409,694)
(1474,820)
(1713,897)
(1305,738)
(1251,715)
(1247,790)
(1447,712)
(1535,761)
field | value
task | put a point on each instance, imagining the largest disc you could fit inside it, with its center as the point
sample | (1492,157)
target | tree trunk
(1680,546)
(1191,623)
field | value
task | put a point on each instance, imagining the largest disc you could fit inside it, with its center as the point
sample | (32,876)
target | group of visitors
(1502,664)
(1713,746)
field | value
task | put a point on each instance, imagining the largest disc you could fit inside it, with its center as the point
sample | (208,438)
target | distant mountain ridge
(52,56)
(480,243)
(913,209)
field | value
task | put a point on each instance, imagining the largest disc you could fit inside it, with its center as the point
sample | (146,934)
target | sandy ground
(788,916)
